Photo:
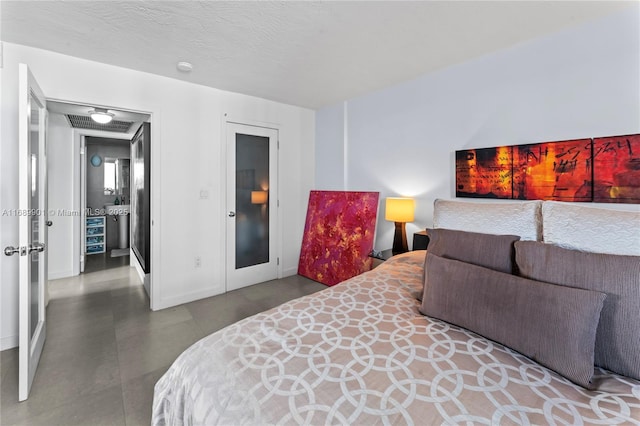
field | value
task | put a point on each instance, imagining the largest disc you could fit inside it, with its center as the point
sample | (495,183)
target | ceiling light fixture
(101,115)
(184,66)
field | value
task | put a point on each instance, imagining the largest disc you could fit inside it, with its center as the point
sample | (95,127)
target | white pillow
(521,218)
(591,229)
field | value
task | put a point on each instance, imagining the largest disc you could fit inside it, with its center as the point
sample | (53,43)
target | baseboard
(8,342)
(136,264)
(146,282)
(62,274)
(289,272)
(145,278)
(186,298)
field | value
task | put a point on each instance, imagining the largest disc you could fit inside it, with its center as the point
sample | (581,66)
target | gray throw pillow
(618,335)
(551,324)
(491,251)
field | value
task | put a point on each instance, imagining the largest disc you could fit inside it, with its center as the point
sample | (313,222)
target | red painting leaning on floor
(338,235)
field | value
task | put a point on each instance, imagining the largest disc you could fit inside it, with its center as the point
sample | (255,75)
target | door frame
(226,119)
(81,135)
(79,200)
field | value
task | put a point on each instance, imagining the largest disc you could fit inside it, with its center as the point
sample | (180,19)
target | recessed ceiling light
(101,115)
(184,66)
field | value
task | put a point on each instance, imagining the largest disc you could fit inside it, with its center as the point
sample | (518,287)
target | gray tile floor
(101,261)
(105,349)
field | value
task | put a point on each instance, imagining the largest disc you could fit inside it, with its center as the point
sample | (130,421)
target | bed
(362,352)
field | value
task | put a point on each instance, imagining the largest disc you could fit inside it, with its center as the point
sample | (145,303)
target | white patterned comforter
(361,353)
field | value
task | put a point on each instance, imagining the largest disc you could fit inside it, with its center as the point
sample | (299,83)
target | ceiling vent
(83,122)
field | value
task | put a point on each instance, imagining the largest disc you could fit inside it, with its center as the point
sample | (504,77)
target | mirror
(116,176)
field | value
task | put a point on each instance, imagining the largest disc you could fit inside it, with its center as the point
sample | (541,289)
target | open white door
(252,203)
(33,223)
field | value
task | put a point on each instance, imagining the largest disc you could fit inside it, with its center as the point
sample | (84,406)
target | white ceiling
(304,53)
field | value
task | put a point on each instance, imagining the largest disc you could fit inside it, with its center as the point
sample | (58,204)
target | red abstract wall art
(558,171)
(338,235)
(602,170)
(484,173)
(616,176)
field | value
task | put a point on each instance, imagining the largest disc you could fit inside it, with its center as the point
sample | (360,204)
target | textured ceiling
(310,54)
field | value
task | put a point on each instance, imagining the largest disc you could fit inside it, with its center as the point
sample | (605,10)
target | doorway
(91,228)
(108,200)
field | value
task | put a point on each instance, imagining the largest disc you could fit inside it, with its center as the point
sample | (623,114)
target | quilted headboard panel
(504,218)
(591,229)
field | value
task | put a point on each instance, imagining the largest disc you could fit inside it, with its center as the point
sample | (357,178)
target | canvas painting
(338,235)
(484,173)
(602,170)
(558,171)
(616,177)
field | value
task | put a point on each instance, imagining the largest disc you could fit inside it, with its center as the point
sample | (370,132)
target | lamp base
(400,239)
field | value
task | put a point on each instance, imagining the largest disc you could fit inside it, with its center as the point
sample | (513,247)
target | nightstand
(420,240)
(380,257)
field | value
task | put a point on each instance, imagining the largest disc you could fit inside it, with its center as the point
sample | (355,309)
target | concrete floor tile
(147,321)
(138,397)
(105,348)
(63,376)
(101,408)
(130,291)
(71,346)
(143,353)
(8,362)
(104,261)
(63,307)
(79,326)
(129,301)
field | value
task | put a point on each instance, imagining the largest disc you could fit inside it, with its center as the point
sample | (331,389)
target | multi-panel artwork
(604,170)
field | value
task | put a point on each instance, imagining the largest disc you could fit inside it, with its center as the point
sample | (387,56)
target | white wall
(582,82)
(330,155)
(61,196)
(187,130)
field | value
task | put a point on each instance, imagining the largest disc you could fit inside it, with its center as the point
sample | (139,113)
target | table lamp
(259,197)
(400,211)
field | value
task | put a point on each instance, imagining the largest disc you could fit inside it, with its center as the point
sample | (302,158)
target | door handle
(11,250)
(49,223)
(38,247)
(232,214)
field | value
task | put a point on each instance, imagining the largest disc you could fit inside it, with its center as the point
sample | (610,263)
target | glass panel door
(251,205)
(32,182)
(140,176)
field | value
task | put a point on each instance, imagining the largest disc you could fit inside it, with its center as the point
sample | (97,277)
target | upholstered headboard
(591,229)
(502,218)
(567,225)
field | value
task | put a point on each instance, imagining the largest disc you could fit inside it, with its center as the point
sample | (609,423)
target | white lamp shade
(400,209)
